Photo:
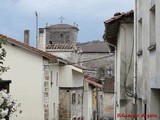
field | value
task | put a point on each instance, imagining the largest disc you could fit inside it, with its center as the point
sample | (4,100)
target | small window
(51,79)
(57,79)
(73,98)
(140,35)
(50,42)
(61,35)
(79,98)
(152,43)
(152,25)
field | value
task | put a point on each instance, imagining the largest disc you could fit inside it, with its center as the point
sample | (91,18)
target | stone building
(36,76)
(61,40)
(71,94)
(40,79)
(119,33)
(98,60)
(147,33)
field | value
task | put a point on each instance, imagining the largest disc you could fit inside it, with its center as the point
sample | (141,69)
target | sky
(19,15)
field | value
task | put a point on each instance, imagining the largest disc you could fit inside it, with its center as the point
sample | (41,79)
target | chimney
(26,37)
(117,14)
(41,39)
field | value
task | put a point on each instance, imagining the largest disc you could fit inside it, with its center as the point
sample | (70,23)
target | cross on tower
(61,18)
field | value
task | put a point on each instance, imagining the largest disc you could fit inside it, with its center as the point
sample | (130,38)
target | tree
(2,56)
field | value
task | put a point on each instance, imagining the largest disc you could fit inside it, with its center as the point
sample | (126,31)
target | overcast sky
(18,15)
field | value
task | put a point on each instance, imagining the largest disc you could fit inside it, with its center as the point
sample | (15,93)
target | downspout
(83,100)
(115,83)
(135,58)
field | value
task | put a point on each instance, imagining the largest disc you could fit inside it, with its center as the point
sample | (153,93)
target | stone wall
(71,101)
(102,60)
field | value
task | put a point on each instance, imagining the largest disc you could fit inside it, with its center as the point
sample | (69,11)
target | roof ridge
(119,16)
(33,49)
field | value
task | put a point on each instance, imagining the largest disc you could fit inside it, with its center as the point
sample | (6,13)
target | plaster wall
(26,73)
(87,102)
(124,53)
(148,66)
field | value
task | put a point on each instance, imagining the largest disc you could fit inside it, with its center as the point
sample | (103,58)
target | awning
(92,82)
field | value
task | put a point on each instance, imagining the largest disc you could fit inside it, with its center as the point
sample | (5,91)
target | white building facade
(119,33)
(36,77)
(147,33)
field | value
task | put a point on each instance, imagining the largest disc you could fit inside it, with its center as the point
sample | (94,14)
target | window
(79,98)
(61,35)
(140,34)
(57,79)
(73,98)
(152,29)
(145,111)
(51,79)
(50,42)
(139,41)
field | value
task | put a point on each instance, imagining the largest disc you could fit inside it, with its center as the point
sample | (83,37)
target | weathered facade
(71,93)
(147,33)
(100,60)
(108,97)
(39,90)
(34,74)
(71,101)
(119,33)
(93,104)
(61,40)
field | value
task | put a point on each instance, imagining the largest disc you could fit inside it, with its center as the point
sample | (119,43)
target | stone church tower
(61,34)
(60,40)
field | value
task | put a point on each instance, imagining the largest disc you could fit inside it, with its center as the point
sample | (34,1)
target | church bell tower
(61,40)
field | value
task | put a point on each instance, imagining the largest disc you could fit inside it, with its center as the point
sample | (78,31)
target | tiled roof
(61,46)
(91,81)
(108,86)
(99,47)
(119,16)
(62,26)
(32,49)
(112,26)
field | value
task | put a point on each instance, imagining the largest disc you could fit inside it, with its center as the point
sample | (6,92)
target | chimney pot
(26,37)
(117,14)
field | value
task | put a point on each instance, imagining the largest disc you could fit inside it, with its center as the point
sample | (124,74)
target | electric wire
(92,59)
(129,93)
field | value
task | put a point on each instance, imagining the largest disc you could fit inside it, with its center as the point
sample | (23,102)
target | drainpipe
(135,58)
(97,101)
(115,80)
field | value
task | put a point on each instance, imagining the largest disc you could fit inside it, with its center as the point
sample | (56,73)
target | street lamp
(109,71)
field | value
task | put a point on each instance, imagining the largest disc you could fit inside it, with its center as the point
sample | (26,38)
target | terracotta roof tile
(112,26)
(32,49)
(119,16)
(99,47)
(91,81)
(61,46)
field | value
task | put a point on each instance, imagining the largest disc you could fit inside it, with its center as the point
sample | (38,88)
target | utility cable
(92,59)
(129,93)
